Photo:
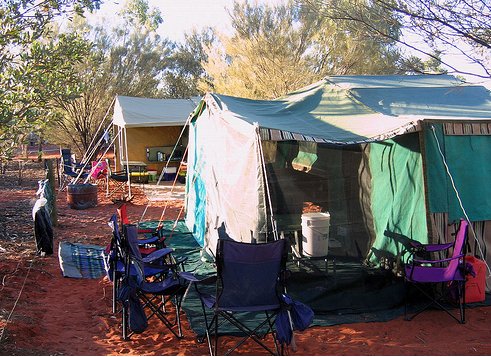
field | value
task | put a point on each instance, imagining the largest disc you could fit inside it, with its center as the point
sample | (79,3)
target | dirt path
(61,316)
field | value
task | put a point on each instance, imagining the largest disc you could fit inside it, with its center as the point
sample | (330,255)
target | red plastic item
(475,287)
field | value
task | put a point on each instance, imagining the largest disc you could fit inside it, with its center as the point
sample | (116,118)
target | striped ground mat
(81,260)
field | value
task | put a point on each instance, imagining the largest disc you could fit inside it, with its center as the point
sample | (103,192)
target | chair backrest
(123,215)
(117,239)
(131,235)
(66,160)
(134,255)
(98,170)
(249,274)
(458,248)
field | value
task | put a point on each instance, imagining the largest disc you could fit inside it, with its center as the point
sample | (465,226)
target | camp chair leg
(157,311)
(178,315)
(252,334)
(216,336)
(207,329)
(436,301)
(462,304)
(124,322)
(115,289)
(273,332)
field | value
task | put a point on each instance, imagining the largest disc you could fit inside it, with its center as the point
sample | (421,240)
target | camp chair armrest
(150,240)
(284,276)
(423,261)
(158,254)
(430,247)
(208,280)
(176,263)
(181,261)
(188,276)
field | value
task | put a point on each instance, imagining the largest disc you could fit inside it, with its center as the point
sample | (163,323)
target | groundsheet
(346,292)
(81,260)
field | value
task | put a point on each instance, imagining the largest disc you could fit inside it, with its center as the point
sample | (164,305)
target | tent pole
(104,153)
(188,120)
(94,149)
(97,131)
(266,183)
(125,142)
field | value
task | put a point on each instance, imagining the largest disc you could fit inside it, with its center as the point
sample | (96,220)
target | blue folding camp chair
(154,293)
(157,263)
(69,169)
(249,280)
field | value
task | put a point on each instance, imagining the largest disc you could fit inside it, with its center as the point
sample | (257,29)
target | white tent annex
(147,126)
(135,112)
(141,127)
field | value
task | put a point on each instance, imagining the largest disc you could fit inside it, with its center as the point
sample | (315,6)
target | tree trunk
(51,181)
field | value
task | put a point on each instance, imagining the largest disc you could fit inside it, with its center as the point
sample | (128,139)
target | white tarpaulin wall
(213,204)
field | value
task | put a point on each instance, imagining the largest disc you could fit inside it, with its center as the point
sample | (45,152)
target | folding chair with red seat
(152,238)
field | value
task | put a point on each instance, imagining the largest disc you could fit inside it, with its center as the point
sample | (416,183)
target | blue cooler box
(170,173)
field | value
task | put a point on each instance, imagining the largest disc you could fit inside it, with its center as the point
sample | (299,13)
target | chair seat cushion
(425,274)
(167,286)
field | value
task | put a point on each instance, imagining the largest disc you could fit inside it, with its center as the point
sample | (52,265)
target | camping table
(291,223)
(135,166)
(138,171)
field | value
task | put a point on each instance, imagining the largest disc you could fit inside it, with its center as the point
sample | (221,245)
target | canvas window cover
(467,157)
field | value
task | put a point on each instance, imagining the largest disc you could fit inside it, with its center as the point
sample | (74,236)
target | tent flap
(467,157)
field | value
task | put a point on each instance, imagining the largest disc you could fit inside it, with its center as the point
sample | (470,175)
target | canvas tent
(147,123)
(367,149)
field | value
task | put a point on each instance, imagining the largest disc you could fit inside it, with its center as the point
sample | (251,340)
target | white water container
(315,233)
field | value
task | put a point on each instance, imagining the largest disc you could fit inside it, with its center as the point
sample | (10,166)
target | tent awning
(148,112)
(358,109)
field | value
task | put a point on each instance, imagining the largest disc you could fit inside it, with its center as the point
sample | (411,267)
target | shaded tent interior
(148,126)
(328,183)
(359,147)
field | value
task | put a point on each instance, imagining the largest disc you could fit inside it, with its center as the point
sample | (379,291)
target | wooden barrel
(81,196)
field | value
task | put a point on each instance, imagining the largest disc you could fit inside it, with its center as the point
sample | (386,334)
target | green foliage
(35,68)
(127,60)
(277,49)
(185,65)
(433,28)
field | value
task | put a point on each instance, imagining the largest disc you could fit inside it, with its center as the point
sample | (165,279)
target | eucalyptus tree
(437,29)
(186,70)
(276,49)
(35,66)
(129,59)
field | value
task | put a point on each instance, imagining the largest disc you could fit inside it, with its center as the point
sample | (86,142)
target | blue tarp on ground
(81,260)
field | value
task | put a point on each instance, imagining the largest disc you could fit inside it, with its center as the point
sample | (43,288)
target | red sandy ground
(62,316)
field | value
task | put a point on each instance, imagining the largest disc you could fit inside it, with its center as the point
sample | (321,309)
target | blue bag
(302,315)
(284,331)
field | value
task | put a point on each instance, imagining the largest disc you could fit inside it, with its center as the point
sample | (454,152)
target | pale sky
(182,16)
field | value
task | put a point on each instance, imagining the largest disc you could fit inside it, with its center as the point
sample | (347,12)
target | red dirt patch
(61,316)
